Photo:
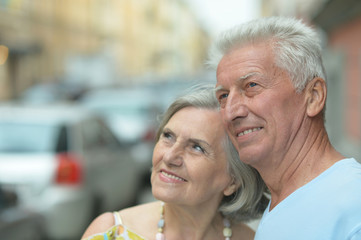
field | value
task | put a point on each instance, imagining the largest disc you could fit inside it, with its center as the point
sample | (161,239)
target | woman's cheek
(156,154)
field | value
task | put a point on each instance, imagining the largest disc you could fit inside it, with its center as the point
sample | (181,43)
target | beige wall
(153,37)
(297,8)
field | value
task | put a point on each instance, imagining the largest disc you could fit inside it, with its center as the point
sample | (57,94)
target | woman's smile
(170,177)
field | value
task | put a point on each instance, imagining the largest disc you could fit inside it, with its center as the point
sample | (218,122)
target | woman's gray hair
(295,45)
(248,201)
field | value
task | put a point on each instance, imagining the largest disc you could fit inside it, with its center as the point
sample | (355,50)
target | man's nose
(173,156)
(235,107)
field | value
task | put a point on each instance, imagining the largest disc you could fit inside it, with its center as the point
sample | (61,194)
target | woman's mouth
(171,176)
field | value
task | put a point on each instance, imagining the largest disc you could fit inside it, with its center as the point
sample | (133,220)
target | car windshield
(123,110)
(23,137)
(119,108)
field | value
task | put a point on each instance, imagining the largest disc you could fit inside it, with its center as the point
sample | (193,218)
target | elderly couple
(260,130)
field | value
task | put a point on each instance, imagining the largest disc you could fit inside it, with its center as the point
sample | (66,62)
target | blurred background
(82,83)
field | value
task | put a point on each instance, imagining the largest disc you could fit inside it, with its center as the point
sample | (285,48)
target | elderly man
(272,90)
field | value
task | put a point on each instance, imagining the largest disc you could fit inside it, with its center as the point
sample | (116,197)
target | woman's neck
(188,223)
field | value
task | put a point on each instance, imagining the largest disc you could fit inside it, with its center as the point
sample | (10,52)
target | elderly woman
(204,191)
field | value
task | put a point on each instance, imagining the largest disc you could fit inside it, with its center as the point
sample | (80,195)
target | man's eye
(252,84)
(222,97)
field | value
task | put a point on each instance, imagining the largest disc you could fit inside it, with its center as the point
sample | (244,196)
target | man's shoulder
(346,165)
(346,182)
(350,167)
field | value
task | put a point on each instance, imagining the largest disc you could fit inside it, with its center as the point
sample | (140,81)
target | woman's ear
(231,188)
(316,96)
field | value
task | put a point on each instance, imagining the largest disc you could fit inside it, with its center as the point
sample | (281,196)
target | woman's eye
(167,135)
(198,148)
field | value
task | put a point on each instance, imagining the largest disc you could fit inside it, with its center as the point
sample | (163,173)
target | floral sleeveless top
(116,232)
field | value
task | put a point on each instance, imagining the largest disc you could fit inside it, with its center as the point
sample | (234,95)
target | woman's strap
(117,218)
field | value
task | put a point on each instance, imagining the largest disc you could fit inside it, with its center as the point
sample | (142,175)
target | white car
(132,114)
(17,223)
(64,163)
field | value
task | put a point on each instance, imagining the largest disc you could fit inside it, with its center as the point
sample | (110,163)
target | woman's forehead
(197,121)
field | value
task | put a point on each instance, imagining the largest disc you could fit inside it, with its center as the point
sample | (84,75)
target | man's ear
(231,188)
(316,96)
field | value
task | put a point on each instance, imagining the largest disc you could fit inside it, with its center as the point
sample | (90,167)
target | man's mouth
(249,131)
(172,176)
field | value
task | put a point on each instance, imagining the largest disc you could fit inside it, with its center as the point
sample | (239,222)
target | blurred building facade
(96,42)
(293,8)
(339,24)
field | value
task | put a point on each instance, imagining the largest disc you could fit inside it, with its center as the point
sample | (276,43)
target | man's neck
(299,166)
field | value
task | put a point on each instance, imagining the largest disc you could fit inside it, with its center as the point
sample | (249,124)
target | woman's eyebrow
(196,140)
(167,130)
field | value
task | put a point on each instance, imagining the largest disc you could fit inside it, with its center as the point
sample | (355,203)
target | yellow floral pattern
(117,232)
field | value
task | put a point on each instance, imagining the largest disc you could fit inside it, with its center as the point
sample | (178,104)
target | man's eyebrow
(219,88)
(244,77)
(247,76)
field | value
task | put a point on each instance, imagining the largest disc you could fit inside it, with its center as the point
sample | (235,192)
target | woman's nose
(173,156)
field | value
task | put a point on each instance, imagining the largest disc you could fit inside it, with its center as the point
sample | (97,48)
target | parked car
(64,163)
(17,223)
(51,92)
(131,112)
(132,115)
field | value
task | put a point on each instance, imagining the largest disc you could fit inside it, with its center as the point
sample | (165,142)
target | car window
(7,198)
(96,134)
(3,202)
(62,143)
(26,137)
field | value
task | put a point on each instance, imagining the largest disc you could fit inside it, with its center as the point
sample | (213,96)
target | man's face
(259,106)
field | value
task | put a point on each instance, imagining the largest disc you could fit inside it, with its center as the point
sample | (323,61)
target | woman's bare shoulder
(132,217)
(140,213)
(142,218)
(138,209)
(100,224)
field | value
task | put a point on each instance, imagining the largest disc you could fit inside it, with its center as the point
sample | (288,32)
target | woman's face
(189,163)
